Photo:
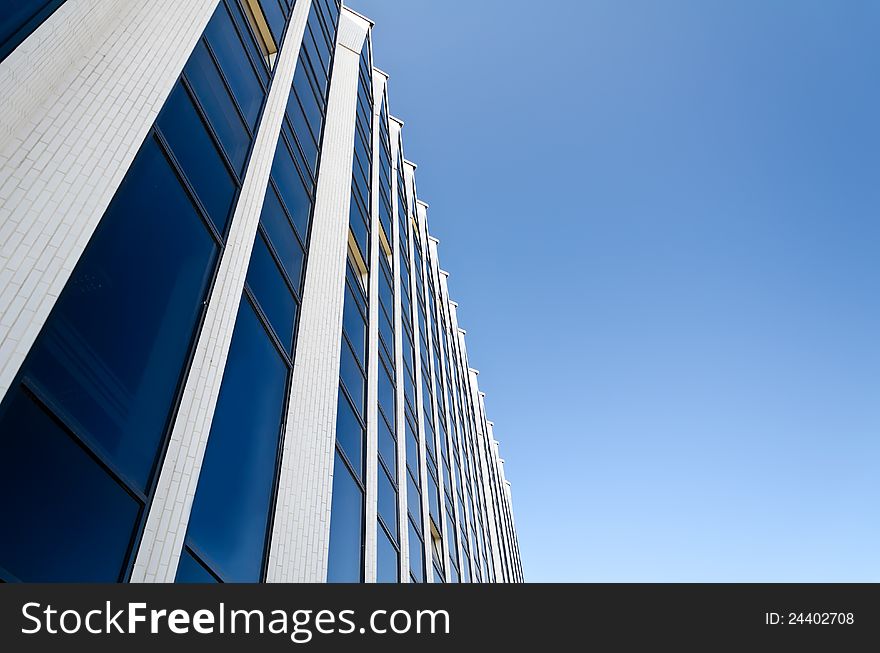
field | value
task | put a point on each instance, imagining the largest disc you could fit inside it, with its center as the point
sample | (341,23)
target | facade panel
(243,357)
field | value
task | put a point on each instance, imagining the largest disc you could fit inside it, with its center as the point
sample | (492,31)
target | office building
(227,349)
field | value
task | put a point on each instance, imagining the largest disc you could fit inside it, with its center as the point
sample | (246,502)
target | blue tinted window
(358,227)
(386,393)
(387,562)
(235,64)
(353,324)
(222,114)
(307,144)
(275,18)
(412,448)
(250,40)
(416,555)
(350,434)
(387,502)
(191,570)
(413,498)
(64,518)
(346,526)
(352,377)
(293,191)
(281,235)
(233,500)
(387,447)
(271,292)
(112,351)
(197,154)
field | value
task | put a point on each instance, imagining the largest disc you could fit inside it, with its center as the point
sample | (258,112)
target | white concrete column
(301,530)
(379,80)
(395,126)
(169,511)
(77,99)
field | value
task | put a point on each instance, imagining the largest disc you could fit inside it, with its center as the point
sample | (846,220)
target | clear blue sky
(662,224)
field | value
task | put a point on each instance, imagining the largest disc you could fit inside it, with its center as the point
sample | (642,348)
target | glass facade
(417,491)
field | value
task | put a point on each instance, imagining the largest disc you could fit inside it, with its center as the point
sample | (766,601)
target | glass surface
(113,349)
(275,17)
(352,377)
(412,448)
(282,237)
(387,502)
(416,555)
(345,558)
(234,495)
(387,560)
(307,143)
(293,191)
(350,434)
(353,325)
(309,103)
(272,293)
(205,79)
(252,42)
(235,64)
(358,227)
(413,499)
(64,518)
(387,446)
(194,148)
(386,393)
(190,570)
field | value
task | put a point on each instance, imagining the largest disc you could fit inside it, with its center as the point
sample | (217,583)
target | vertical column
(395,126)
(77,99)
(169,512)
(301,528)
(380,80)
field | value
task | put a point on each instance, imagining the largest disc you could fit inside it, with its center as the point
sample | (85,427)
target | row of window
(228,534)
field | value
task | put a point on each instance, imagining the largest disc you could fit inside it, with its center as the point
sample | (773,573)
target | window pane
(352,377)
(274,17)
(412,449)
(387,502)
(353,325)
(346,527)
(350,434)
(112,351)
(232,503)
(281,235)
(198,156)
(416,555)
(273,295)
(293,192)
(205,79)
(191,570)
(308,145)
(235,64)
(64,518)
(413,498)
(387,563)
(386,393)
(387,447)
